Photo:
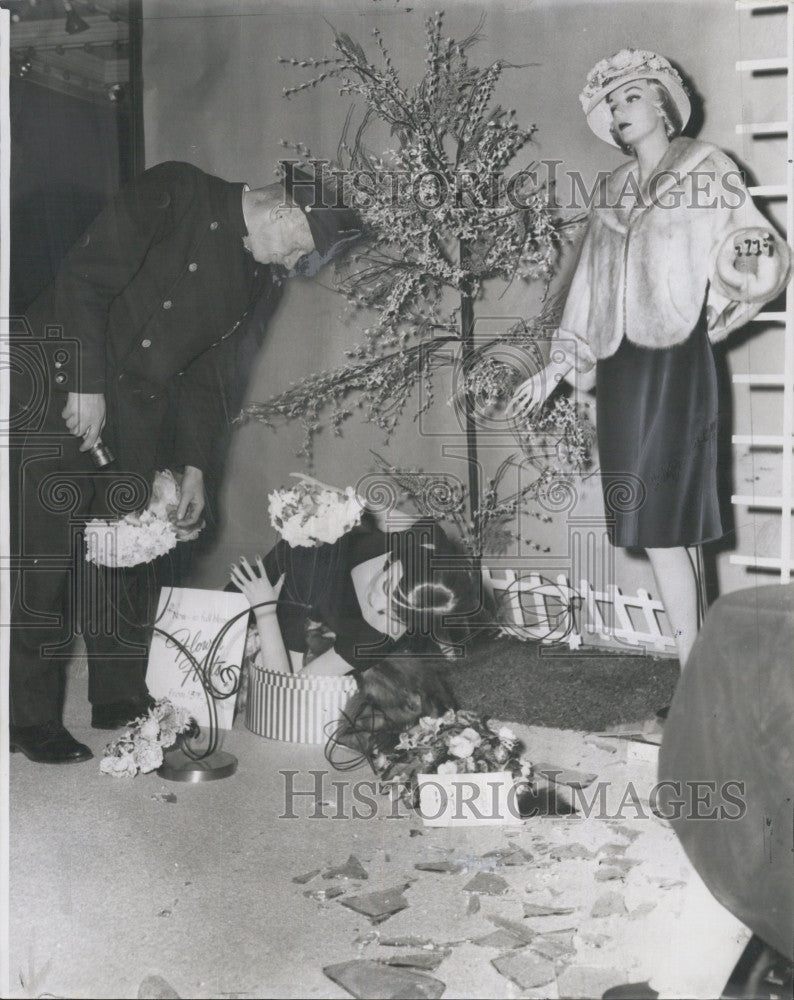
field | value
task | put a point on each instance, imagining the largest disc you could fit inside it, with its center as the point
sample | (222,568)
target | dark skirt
(657,442)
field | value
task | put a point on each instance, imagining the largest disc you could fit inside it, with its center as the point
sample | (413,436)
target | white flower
(461,747)
(307,515)
(472,736)
(406,741)
(122,766)
(150,729)
(448,767)
(149,755)
(429,724)
(507,736)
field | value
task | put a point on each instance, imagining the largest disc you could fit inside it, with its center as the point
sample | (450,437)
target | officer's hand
(191,503)
(84,414)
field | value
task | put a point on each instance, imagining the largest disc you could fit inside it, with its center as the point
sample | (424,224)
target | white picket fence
(555,613)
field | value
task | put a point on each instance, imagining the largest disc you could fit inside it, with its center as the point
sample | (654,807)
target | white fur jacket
(649,256)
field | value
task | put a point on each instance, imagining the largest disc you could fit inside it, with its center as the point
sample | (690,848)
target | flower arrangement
(310,515)
(140,747)
(439,219)
(455,743)
(140,537)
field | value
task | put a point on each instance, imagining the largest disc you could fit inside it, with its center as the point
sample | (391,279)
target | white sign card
(488,799)
(192,619)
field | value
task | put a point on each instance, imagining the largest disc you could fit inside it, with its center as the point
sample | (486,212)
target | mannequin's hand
(752,262)
(255,584)
(530,396)
(84,414)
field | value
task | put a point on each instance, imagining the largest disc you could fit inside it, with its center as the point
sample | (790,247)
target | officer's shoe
(117,714)
(49,743)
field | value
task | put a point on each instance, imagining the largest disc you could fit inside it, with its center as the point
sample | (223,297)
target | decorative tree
(443,216)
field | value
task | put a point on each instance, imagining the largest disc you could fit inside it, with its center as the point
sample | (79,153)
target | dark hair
(394,694)
(671,117)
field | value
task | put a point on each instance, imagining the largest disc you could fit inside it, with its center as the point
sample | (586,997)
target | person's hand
(255,584)
(84,414)
(191,502)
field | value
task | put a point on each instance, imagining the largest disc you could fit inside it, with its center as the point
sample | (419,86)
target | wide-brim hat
(625,67)
(334,227)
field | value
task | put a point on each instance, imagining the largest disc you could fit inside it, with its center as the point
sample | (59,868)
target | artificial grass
(538,685)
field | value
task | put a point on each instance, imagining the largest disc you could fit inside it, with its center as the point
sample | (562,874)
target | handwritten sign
(192,620)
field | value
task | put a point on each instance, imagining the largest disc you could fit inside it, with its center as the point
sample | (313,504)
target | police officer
(145,339)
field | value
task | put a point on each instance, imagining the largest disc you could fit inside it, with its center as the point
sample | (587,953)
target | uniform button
(213,225)
(167,304)
(146,343)
(121,376)
(192,267)
(60,378)
(58,364)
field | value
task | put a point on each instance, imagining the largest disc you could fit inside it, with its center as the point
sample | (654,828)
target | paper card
(488,799)
(193,618)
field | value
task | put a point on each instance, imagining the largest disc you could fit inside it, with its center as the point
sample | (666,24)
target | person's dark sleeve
(212,388)
(98,268)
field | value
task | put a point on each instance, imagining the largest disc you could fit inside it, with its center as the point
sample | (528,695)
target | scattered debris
(601,744)
(524,969)
(437,866)
(370,980)
(623,865)
(488,884)
(609,905)
(533,910)
(427,960)
(515,927)
(667,883)
(406,942)
(323,895)
(627,831)
(380,905)
(609,874)
(555,945)
(366,939)
(307,877)
(568,852)
(502,939)
(162,798)
(352,868)
(612,850)
(564,775)
(414,832)
(510,856)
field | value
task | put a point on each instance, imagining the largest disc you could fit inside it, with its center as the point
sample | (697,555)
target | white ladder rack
(783,442)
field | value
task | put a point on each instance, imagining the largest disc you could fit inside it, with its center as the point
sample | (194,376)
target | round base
(177,766)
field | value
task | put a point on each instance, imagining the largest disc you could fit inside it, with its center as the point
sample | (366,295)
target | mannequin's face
(374,582)
(635,114)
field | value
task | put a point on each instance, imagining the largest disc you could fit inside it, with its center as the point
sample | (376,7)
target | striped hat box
(294,708)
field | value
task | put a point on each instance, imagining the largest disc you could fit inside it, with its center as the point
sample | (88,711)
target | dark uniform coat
(160,307)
